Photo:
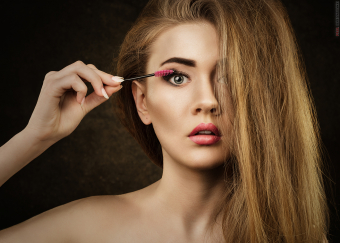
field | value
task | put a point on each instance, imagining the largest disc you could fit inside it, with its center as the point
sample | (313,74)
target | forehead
(197,41)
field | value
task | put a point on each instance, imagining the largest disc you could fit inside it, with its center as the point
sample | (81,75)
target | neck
(191,197)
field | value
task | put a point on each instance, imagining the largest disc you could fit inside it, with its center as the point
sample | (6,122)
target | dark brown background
(100,157)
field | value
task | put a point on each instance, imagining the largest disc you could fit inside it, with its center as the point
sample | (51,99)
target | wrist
(18,152)
(31,137)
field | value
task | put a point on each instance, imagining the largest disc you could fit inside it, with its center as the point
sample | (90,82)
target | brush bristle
(163,73)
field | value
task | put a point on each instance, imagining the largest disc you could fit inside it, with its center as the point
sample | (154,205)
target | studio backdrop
(100,157)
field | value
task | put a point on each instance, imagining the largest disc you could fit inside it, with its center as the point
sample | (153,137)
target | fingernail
(121,86)
(104,93)
(117,79)
(82,102)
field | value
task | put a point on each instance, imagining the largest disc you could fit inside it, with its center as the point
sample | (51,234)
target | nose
(204,100)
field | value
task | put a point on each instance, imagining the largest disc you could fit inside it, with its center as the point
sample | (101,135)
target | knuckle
(49,74)
(91,66)
(79,63)
(83,86)
(74,77)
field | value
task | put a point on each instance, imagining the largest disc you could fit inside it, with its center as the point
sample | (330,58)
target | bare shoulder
(77,221)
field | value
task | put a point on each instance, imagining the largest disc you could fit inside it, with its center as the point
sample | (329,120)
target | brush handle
(160,73)
(145,76)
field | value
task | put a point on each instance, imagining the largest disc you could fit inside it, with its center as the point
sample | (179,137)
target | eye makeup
(160,73)
(176,73)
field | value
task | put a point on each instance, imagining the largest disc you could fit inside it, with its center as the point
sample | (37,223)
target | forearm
(18,152)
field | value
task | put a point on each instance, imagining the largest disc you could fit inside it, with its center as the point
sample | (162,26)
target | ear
(138,91)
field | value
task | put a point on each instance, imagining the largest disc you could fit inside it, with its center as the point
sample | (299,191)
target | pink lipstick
(205,134)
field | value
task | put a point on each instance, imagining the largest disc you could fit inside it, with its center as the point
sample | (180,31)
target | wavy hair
(275,192)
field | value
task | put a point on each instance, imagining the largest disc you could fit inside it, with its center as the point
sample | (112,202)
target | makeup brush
(160,73)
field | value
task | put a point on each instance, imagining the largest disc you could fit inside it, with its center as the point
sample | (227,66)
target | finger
(72,81)
(93,100)
(84,72)
(92,66)
(116,79)
(106,78)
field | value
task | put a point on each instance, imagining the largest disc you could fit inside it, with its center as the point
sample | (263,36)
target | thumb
(93,100)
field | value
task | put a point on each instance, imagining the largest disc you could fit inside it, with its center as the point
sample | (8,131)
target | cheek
(168,109)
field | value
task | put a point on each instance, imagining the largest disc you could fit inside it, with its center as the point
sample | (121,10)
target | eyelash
(175,73)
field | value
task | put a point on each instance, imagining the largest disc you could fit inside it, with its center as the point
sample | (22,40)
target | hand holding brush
(63,103)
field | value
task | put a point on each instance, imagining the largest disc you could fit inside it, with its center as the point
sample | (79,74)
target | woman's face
(175,107)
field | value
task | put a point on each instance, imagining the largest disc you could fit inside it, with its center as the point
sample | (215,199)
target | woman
(238,72)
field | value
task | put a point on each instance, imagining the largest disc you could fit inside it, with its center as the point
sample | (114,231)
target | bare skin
(183,205)
(192,183)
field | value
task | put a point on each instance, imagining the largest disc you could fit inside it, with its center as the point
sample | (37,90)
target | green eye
(179,78)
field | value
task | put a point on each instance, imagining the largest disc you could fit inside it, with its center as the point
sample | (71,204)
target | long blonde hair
(275,192)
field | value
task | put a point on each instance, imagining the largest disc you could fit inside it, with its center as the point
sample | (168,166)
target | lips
(205,127)
(206,139)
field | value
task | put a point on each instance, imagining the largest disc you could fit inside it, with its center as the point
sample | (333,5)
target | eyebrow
(180,60)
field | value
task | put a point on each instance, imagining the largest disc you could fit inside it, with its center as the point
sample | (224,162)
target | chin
(204,164)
